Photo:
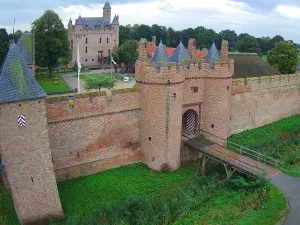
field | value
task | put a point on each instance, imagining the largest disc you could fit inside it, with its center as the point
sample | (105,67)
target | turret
(161,85)
(115,26)
(217,91)
(107,12)
(25,148)
(70,24)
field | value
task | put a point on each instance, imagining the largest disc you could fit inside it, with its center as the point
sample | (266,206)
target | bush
(252,183)
(100,82)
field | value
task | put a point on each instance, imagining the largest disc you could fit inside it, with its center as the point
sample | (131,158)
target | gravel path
(290,187)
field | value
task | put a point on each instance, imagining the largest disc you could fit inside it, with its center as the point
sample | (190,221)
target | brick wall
(27,158)
(97,133)
(259,101)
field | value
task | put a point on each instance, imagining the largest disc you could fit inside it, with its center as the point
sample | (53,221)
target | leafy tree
(143,31)
(231,37)
(125,33)
(3,44)
(173,37)
(275,40)
(160,32)
(18,34)
(284,57)
(51,40)
(264,44)
(127,52)
(100,82)
(248,44)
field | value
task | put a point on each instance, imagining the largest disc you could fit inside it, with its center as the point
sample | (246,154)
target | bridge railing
(241,149)
(241,165)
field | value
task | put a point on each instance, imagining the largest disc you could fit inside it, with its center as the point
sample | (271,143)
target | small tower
(115,27)
(70,24)
(24,142)
(107,12)
(161,85)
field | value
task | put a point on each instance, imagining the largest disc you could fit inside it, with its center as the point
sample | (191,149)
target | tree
(231,37)
(275,40)
(125,33)
(284,57)
(127,52)
(248,44)
(51,40)
(18,34)
(100,82)
(4,41)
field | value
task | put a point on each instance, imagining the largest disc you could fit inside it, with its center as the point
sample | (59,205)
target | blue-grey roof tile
(213,55)
(26,47)
(92,22)
(115,21)
(160,55)
(298,67)
(107,6)
(180,54)
(16,80)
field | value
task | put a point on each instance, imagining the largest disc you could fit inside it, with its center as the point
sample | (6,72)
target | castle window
(86,40)
(86,50)
(149,138)
(93,60)
(100,40)
(86,60)
(108,51)
(212,126)
(107,40)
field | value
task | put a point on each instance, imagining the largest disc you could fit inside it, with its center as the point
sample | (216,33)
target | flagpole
(78,68)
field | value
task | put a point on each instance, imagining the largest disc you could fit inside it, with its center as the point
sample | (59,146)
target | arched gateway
(189,122)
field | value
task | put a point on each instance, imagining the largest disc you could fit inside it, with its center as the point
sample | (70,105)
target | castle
(96,37)
(46,139)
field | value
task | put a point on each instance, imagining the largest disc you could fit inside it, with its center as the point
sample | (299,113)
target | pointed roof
(79,21)
(179,54)
(16,80)
(26,47)
(212,55)
(115,20)
(70,21)
(107,6)
(160,55)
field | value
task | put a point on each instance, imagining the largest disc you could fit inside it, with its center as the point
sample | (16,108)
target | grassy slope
(83,195)
(225,208)
(280,140)
(48,85)
(115,75)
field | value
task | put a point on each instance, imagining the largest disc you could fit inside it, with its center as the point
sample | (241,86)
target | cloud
(292,12)
(257,17)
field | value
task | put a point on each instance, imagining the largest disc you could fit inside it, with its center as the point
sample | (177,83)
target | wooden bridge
(245,161)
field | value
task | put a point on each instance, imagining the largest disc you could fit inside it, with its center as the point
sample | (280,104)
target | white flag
(78,60)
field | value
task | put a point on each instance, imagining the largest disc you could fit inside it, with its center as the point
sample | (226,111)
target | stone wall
(259,101)
(97,133)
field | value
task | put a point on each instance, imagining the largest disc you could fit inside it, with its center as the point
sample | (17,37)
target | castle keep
(45,139)
(96,37)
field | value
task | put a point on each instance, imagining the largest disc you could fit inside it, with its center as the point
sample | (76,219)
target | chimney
(154,41)
(192,47)
(224,51)
(143,50)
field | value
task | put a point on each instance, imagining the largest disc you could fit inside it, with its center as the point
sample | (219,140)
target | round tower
(161,85)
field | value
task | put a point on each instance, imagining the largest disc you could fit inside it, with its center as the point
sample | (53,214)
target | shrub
(252,183)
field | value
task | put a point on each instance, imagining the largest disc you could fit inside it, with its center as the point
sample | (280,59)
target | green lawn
(280,140)
(117,76)
(181,196)
(48,84)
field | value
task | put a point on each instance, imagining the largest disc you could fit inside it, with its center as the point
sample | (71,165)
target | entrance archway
(189,122)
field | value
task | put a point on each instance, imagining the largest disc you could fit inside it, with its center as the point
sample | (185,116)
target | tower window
(108,51)
(86,60)
(100,40)
(107,40)
(86,40)
(86,50)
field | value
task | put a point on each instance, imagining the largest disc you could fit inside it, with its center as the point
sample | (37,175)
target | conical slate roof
(107,6)
(160,55)
(179,54)
(26,47)
(115,20)
(213,55)
(16,80)
(79,21)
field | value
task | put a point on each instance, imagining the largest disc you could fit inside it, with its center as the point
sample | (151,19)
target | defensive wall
(258,101)
(92,132)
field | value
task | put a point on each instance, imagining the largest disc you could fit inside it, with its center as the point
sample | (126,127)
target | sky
(256,17)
